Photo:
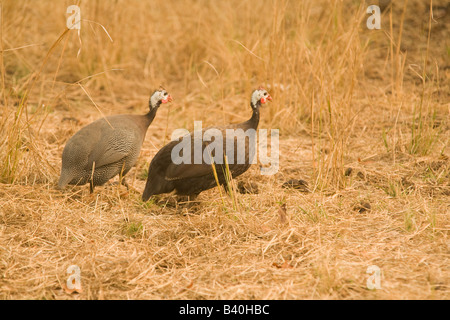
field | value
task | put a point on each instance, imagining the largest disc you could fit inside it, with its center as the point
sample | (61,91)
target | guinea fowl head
(260,96)
(158,97)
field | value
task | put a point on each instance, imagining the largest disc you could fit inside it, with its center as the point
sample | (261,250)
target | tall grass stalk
(16,144)
(423,135)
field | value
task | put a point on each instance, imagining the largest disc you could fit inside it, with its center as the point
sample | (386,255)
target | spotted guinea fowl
(107,147)
(166,175)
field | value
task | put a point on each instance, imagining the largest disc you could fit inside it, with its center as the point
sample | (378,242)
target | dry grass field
(363,117)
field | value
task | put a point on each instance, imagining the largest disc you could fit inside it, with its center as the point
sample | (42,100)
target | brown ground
(344,97)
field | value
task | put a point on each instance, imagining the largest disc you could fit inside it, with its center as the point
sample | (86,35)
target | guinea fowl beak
(168,99)
(269,98)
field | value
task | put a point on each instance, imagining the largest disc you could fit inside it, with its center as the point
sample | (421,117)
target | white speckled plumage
(109,145)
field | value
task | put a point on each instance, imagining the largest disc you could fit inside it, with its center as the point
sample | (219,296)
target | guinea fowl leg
(124,183)
(192,197)
(187,200)
(91,181)
(122,179)
(191,200)
(226,189)
(122,174)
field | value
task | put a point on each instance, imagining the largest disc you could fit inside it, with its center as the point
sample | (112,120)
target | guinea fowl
(107,147)
(191,178)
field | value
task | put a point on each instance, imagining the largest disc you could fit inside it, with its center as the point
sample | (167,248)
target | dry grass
(376,101)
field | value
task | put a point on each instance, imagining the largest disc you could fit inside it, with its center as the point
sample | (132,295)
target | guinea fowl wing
(189,170)
(192,170)
(117,144)
(183,171)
